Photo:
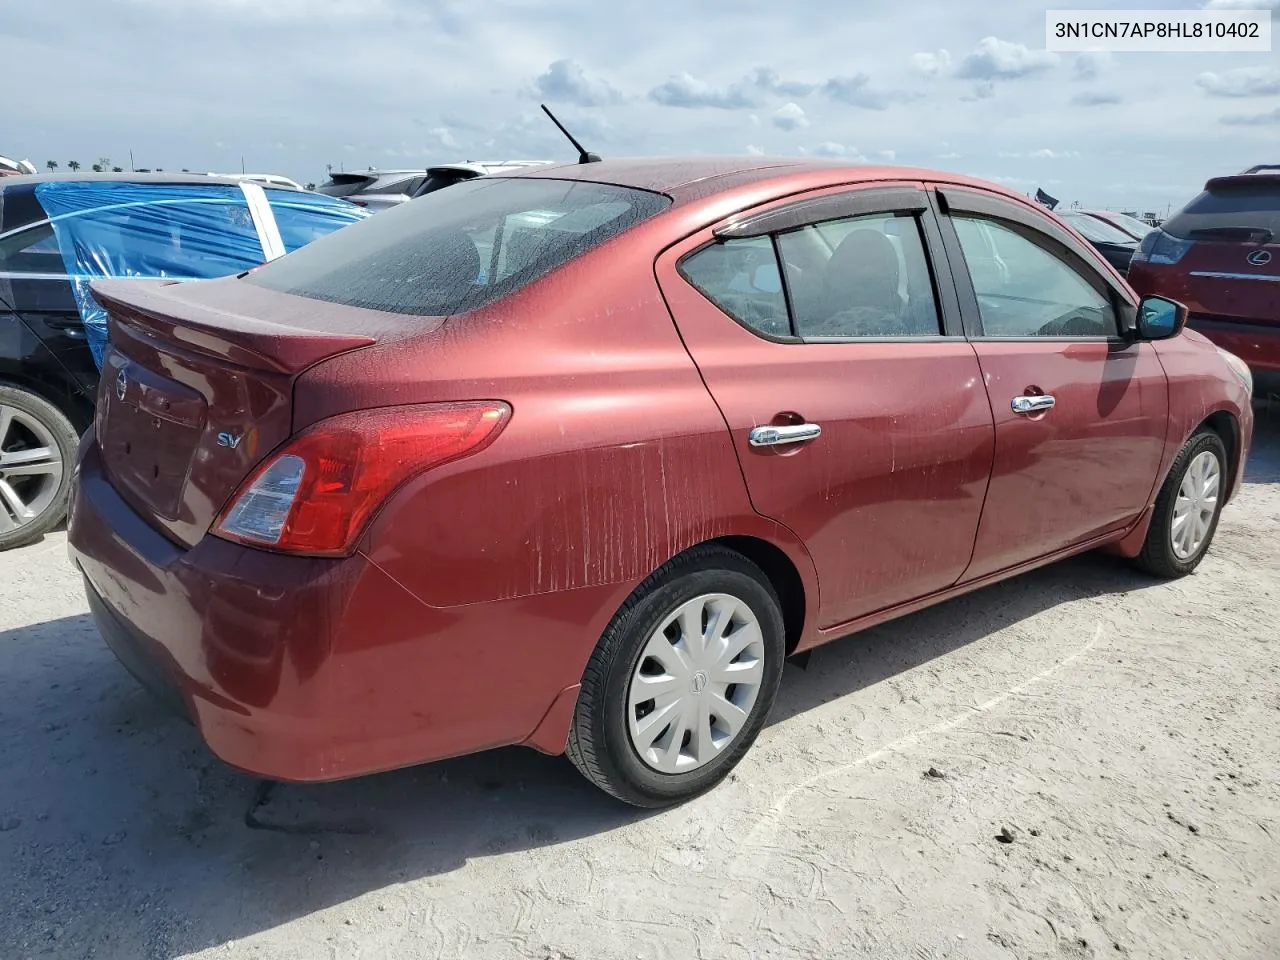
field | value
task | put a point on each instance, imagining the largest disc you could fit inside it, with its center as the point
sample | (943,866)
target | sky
(292,86)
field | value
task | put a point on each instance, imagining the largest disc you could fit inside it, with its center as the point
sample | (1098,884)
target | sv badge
(228,440)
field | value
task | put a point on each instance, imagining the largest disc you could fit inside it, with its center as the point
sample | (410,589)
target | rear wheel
(37,449)
(1187,509)
(681,681)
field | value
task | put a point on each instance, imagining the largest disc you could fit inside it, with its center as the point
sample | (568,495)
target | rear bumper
(304,669)
(1255,344)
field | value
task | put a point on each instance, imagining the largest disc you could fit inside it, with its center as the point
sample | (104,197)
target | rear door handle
(776,436)
(1033,404)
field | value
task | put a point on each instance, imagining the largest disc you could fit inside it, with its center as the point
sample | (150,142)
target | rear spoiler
(1250,178)
(156,308)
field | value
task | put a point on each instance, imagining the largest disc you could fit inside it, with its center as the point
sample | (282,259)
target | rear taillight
(1162,248)
(315,494)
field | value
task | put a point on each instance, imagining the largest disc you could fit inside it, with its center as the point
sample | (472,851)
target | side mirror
(1160,319)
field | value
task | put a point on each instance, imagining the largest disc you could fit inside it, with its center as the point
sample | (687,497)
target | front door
(1080,411)
(856,406)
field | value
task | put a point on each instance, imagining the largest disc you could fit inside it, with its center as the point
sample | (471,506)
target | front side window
(741,278)
(460,249)
(860,277)
(1023,290)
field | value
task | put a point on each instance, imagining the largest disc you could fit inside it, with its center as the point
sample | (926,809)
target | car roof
(685,179)
(173,179)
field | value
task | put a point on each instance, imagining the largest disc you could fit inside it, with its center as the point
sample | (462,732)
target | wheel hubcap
(1196,505)
(30,468)
(695,683)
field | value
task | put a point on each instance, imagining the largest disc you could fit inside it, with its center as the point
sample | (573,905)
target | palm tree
(73,164)
(104,164)
(52,165)
(117,169)
(97,168)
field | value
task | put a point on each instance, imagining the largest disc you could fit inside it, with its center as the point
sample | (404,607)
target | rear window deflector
(835,206)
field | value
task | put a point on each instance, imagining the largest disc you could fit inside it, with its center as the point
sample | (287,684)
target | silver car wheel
(30,468)
(695,683)
(1196,505)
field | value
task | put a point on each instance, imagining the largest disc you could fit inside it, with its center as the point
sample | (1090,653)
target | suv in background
(378,189)
(1220,255)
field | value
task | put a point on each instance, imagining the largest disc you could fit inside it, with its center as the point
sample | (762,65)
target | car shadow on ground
(110,808)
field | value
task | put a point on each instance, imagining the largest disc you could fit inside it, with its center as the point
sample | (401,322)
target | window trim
(1031,229)
(842,204)
(834,206)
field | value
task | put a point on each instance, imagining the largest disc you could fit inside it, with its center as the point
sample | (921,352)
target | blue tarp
(113,229)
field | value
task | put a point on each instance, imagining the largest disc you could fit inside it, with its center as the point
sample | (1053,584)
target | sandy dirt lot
(1125,733)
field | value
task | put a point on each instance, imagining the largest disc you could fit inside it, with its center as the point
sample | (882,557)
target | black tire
(599,743)
(1158,557)
(63,435)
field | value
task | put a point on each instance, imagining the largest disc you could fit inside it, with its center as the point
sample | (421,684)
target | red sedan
(576,458)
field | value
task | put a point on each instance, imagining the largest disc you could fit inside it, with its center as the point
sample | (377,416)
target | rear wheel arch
(782,574)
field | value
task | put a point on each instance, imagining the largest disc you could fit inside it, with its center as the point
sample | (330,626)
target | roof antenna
(583,156)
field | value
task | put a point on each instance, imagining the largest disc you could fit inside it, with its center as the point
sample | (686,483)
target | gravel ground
(1078,763)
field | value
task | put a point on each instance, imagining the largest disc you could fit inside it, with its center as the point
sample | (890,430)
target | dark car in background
(379,189)
(58,233)
(1121,221)
(1113,243)
(1220,255)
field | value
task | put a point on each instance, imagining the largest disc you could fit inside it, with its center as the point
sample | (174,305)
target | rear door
(1080,411)
(856,405)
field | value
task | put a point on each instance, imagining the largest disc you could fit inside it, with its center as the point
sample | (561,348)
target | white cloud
(567,81)
(686,90)
(754,151)
(1046,154)
(1242,82)
(931,64)
(999,59)
(790,117)
(857,91)
(829,148)
(949,155)
(1096,98)
(1090,64)
(889,155)
(1254,119)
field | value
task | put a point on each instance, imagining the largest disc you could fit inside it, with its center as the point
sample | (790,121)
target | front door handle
(776,436)
(1037,403)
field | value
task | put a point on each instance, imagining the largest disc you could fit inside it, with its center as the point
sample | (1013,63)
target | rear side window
(860,277)
(459,249)
(304,217)
(741,278)
(1231,209)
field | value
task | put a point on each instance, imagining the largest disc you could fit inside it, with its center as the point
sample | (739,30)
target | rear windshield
(459,249)
(1247,206)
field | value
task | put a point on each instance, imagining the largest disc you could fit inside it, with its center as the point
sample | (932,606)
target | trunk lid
(196,388)
(1225,280)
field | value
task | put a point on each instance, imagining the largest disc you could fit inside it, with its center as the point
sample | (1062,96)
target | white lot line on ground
(768,825)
